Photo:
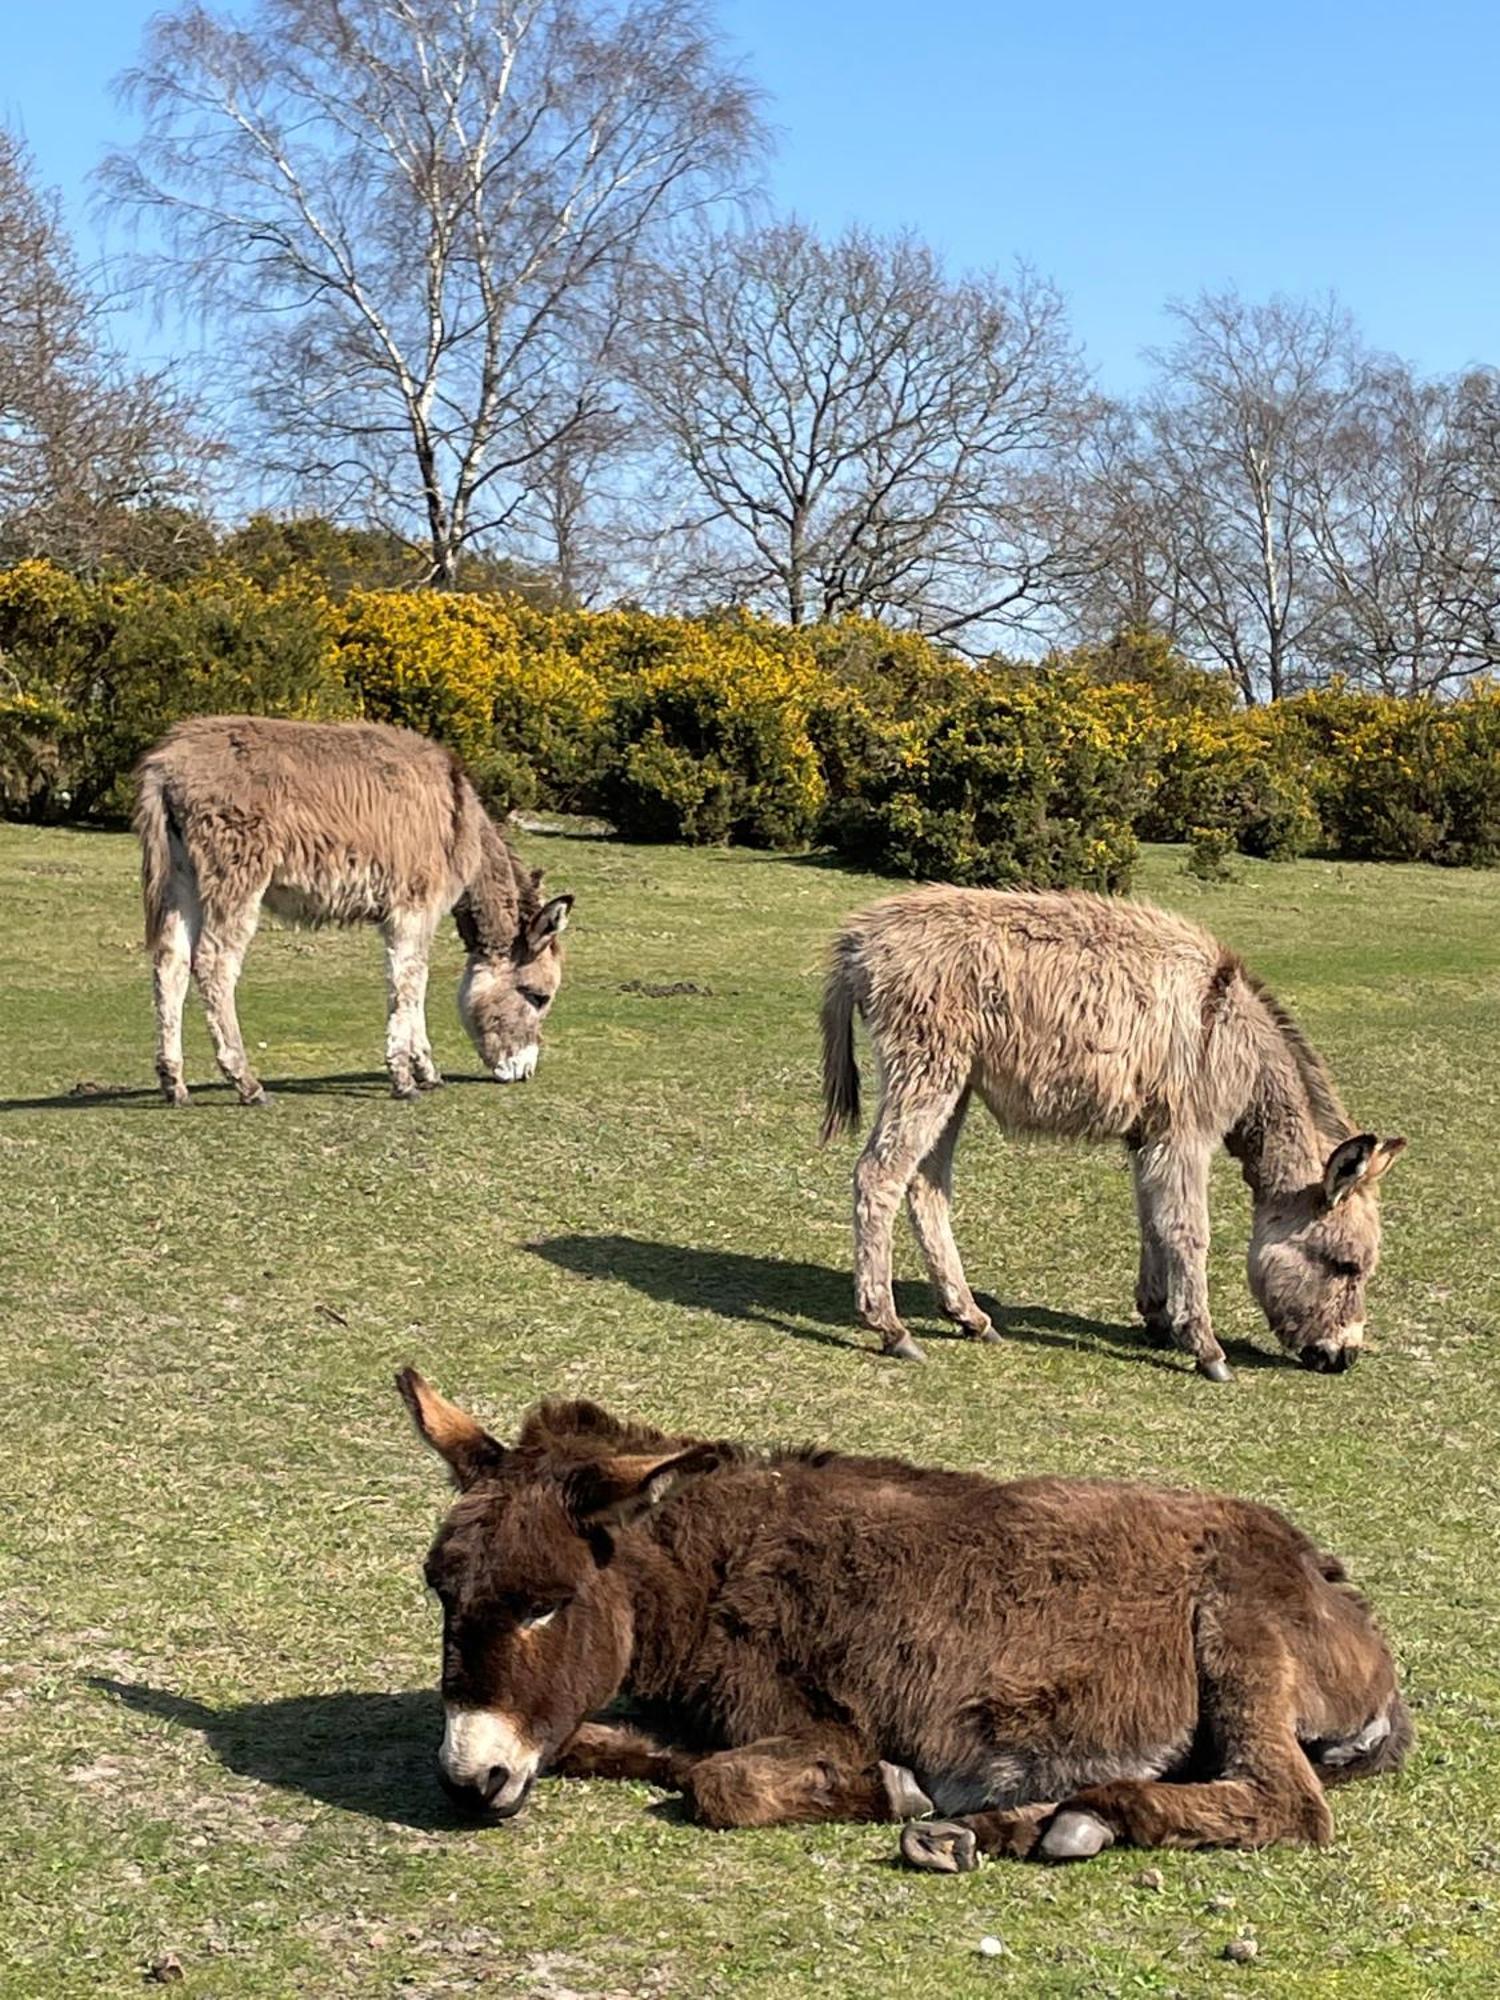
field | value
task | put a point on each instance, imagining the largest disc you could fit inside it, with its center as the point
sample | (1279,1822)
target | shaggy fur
(336,823)
(1094,1019)
(1060,1663)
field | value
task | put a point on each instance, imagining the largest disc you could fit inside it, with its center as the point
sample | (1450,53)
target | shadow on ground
(125,1097)
(366,1753)
(780,1293)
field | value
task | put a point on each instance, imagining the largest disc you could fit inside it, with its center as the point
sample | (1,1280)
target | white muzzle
(519,1068)
(478,1741)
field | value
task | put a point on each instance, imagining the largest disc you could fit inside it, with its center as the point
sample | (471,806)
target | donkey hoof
(405,1093)
(904,1349)
(433,1082)
(1216,1371)
(942,1847)
(903,1794)
(177,1099)
(1075,1836)
(256,1101)
(988,1332)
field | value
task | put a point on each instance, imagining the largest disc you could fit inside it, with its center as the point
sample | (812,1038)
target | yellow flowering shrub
(896,752)
(709,740)
(1010,781)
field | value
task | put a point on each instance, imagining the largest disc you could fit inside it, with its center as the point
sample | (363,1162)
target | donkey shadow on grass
(148,1097)
(371,1753)
(785,1295)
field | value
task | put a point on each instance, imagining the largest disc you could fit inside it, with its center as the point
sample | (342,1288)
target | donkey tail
(840,1071)
(153,825)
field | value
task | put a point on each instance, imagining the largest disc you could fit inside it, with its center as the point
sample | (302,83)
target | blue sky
(1131,154)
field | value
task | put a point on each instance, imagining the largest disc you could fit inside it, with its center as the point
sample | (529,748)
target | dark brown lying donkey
(1061,1663)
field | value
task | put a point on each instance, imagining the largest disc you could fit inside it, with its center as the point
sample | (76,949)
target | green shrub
(1209,849)
(707,753)
(1403,780)
(1009,786)
(1223,777)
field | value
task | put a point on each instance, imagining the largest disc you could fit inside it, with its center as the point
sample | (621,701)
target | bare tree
(857,433)
(578,513)
(413,217)
(1132,583)
(1237,435)
(1407,532)
(93,452)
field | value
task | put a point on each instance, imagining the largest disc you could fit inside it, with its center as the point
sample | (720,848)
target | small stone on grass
(991,1947)
(1240,1951)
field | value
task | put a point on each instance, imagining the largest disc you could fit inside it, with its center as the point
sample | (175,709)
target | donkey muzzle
(1328,1359)
(518,1068)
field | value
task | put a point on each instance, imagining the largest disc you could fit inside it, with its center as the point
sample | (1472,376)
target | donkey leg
(955,1846)
(792,1780)
(1151,1278)
(171,972)
(220,954)
(929,1204)
(1172,1177)
(428,1075)
(905,1131)
(618,1750)
(1270,1792)
(408,938)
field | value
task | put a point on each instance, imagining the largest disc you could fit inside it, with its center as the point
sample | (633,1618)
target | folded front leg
(790,1780)
(619,1750)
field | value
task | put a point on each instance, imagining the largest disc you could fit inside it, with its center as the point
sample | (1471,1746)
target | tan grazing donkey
(1099,1019)
(336,823)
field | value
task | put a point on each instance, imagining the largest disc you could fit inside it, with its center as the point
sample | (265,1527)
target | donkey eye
(537,1615)
(541,1001)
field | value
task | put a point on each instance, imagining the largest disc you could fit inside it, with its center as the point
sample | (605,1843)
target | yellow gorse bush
(733,727)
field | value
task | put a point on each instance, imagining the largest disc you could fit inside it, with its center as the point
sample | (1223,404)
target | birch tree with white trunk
(1237,432)
(412,222)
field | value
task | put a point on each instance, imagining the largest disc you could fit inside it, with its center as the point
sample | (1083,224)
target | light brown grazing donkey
(1099,1019)
(336,823)
(1061,1663)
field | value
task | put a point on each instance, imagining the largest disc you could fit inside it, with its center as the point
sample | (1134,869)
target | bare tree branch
(855,432)
(414,218)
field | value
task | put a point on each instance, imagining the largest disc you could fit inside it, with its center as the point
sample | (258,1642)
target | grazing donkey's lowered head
(1315,1234)
(515,961)
(537,1626)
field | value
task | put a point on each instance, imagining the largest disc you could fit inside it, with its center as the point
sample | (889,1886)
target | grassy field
(216,1655)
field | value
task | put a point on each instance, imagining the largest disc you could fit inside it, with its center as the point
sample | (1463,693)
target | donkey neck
(668,1605)
(491,905)
(1294,1118)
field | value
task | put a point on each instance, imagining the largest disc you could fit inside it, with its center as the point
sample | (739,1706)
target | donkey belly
(353,892)
(1032,1777)
(1093,1100)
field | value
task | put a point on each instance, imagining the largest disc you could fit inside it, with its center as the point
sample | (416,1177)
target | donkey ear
(1363,1158)
(550,921)
(613,1492)
(469,1449)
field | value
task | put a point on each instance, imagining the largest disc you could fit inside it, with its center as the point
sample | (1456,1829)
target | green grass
(216,1717)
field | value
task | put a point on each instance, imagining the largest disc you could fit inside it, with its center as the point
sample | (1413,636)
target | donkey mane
(502,898)
(1323,1099)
